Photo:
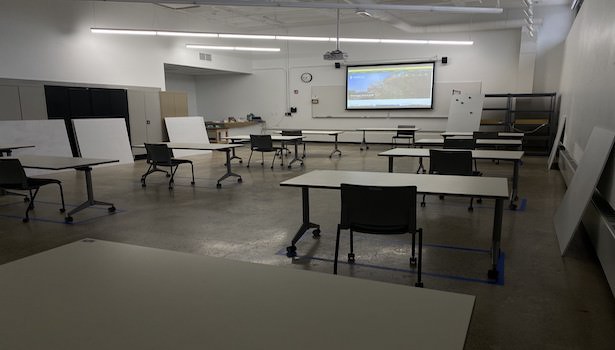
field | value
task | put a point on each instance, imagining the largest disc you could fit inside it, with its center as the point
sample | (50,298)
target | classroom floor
(542,301)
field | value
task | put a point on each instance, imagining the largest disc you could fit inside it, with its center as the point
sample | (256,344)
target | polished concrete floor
(541,301)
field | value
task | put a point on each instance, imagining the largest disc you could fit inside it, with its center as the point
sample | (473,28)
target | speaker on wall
(337,65)
(444,60)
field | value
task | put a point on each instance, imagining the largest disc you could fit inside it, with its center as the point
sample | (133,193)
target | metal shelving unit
(533,114)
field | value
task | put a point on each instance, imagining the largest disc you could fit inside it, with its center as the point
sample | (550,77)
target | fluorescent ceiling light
(232,48)
(402,41)
(122,31)
(357,40)
(448,42)
(302,38)
(190,34)
(246,36)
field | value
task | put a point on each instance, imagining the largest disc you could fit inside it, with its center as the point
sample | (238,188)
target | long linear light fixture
(276,37)
(233,48)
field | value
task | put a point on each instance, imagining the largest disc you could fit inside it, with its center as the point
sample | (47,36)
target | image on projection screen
(390,86)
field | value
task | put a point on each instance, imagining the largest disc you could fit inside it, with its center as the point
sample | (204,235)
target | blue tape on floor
(522,204)
(61,221)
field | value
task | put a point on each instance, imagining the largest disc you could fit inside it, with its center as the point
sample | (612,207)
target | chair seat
(31,183)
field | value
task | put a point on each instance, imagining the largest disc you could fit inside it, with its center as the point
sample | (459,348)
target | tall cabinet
(534,114)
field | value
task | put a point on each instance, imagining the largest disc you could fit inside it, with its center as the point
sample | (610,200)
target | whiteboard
(186,129)
(577,196)
(465,112)
(103,138)
(49,138)
(330,102)
(558,137)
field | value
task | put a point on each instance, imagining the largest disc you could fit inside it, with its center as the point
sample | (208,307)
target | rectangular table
(282,139)
(479,143)
(334,133)
(393,129)
(222,147)
(514,156)
(466,186)
(8,149)
(446,134)
(95,295)
(77,163)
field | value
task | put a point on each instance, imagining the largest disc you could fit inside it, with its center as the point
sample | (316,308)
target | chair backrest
(485,135)
(378,209)
(12,173)
(158,153)
(459,143)
(292,133)
(445,162)
(261,142)
(405,132)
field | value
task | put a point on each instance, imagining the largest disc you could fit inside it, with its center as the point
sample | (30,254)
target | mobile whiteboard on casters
(187,129)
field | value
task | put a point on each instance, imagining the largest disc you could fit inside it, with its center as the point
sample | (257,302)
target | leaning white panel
(105,138)
(581,188)
(187,129)
(465,112)
(49,138)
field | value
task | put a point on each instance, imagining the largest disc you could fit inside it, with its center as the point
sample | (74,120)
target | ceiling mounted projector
(335,55)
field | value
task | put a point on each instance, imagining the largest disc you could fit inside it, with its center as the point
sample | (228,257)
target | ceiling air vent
(204,56)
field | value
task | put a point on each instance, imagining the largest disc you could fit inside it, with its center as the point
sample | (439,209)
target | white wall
(493,59)
(51,41)
(588,81)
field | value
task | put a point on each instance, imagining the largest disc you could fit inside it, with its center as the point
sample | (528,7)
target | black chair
(404,134)
(13,177)
(461,143)
(449,162)
(159,155)
(379,210)
(263,143)
(294,133)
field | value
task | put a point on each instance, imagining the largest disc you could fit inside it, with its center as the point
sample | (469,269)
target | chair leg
(263,158)
(192,169)
(419,282)
(471,207)
(351,254)
(63,209)
(337,248)
(30,205)
(252,151)
(275,155)
(423,201)
(303,150)
(413,257)
(172,180)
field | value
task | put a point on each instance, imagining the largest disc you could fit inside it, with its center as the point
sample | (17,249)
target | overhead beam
(331,5)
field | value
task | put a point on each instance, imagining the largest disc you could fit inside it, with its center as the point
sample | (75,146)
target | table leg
(514,195)
(421,166)
(391,164)
(234,156)
(291,250)
(495,240)
(228,168)
(363,143)
(296,157)
(90,201)
(335,149)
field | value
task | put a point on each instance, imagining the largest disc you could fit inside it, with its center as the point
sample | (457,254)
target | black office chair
(294,133)
(379,210)
(160,155)
(404,134)
(462,143)
(13,177)
(449,162)
(263,143)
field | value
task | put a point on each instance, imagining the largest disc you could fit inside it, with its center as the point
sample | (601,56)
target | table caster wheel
(240,180)
(512,207)
(68,219)
(492,274)
(316,233)
(350,258)
(291,251)
(25,220)
(413,260)
(419,284)
(62,210)
(241,161)
(111,209)
(218,185)
(192,182)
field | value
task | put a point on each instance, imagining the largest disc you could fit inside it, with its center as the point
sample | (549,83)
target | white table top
(273,137)
(469,133)
(60,163)
(104,295)
(476,154)
(314,132)
(496,142)
(197,145)
(478,186)
(388,129)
